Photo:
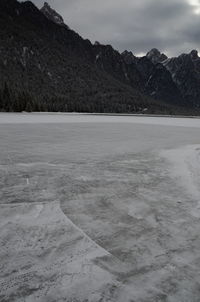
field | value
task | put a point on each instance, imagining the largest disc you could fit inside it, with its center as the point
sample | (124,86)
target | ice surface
(98,208)
(93,118)
(185,169)
(44,257)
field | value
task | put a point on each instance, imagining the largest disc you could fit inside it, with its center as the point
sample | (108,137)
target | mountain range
(46,66)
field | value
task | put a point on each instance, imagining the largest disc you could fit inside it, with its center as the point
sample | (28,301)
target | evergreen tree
(6,102)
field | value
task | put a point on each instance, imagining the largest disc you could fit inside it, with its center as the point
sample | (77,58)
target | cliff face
(185,73)
(156,80)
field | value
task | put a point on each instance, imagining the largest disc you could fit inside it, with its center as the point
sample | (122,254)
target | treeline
(12,100)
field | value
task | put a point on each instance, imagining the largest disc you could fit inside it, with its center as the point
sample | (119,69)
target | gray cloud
(173,26)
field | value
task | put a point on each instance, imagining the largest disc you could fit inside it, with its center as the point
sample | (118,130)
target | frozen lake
(99,208)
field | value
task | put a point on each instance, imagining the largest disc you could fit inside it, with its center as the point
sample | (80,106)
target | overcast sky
(173,26)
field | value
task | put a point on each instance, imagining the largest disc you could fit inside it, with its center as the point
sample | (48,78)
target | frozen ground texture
(99,208)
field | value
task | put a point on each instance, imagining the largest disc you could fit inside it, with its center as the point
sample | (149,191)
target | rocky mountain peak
(156,56)
(51,14)
(128,57)
(194,54)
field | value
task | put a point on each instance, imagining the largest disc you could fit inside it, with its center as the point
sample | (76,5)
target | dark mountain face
(35,51)
(155,79)
(41,55)
(185,73)
(111,61)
